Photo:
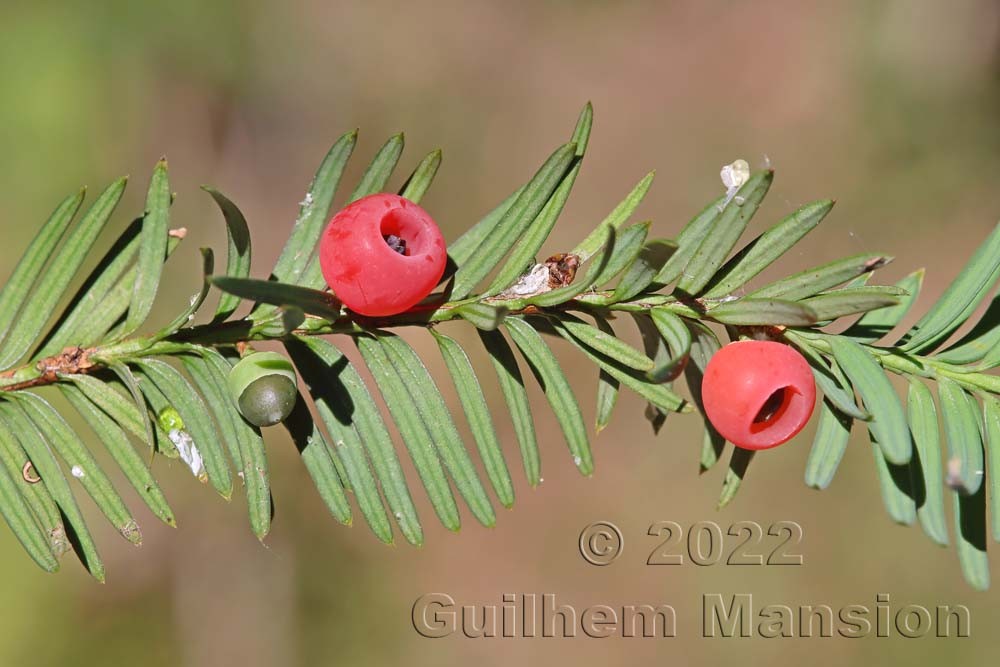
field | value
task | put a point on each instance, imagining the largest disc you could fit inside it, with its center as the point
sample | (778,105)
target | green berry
(264,387)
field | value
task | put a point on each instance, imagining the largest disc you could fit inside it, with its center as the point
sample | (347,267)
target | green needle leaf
(194,413)
(678,339)
(482,315)
(530,243)
(979,342)
(17,511)
(644,269)
(212,380)
(114,404)
(815,280)
(657,394)
(850,300)
(477,412)
(18,517)
(437,419)
(831,380)
(619,216)
(970,536)
(629,244)
(607,386)
(965,445)
(116,261)
(704,344)
(416,436)
(314,302)
(896,487)
(719,242)
(515,222)
(737,471)
(152,249)
(420,180)
(185,317)
(210,373)
(51,284)
(581,133)
(373,434)
(39,450)
(877,324)
(766,248)
(606,344)
(991,413)
(33,490)
(348,445)
(136,470)
(82,465)
(992,358)
(284,321)
(100,308)
(763,312)
(319,461)
(149,396)
(557,390)
(374,180)
(461,250)
(313,213)
(656,349)
(926,464)
(239,253)
(689,240)
(380,169)
(888,425)
(959,300)
(512,387)
(15,291)
(832,436)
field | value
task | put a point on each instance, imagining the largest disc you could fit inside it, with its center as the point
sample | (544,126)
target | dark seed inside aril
(771,406)
(396,243)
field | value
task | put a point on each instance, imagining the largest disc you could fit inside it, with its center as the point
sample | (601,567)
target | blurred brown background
(889,107)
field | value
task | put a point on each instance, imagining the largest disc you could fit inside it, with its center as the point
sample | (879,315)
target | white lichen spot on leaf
(559,270)
(531,283)
(733,177)
(188,452)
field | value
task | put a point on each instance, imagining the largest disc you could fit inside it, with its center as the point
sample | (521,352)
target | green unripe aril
(264,386)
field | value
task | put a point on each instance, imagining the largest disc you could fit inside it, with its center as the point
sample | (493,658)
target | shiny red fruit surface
(758,394)
(382,254)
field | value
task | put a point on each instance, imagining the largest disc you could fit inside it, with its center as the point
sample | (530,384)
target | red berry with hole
(758,394)
(382,254)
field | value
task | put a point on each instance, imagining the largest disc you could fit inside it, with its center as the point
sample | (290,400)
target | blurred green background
(891,108)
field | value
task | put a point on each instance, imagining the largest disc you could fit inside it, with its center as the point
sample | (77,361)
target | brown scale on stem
(71,360)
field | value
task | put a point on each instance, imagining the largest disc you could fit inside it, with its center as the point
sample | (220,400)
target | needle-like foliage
(142,392)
